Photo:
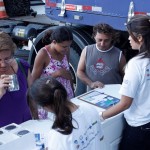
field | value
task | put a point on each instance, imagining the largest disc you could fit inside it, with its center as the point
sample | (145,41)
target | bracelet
(101,116)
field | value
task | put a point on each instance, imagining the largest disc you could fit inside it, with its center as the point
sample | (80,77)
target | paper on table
(98,98)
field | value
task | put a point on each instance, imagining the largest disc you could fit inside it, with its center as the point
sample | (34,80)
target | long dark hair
(59,34)
(140,25)
(48,92)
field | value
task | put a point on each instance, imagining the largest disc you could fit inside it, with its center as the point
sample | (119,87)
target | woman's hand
(62,73)
(4,84)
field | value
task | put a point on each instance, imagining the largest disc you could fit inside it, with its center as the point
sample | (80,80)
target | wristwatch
(101,116)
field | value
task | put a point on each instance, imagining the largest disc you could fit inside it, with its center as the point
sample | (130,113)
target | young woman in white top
(135,99)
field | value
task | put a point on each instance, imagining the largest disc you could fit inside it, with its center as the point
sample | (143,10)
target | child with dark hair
(53,59)
(71,128)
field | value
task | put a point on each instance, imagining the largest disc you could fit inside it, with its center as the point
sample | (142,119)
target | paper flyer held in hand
(99,99)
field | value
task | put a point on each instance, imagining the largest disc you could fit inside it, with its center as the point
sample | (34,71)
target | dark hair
(140,25)
(48,92)
(59,34)
(106,29)
(6,43)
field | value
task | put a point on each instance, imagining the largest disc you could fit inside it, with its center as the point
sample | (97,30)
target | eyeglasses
(7,60)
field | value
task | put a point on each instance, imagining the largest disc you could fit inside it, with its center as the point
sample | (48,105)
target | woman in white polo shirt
(135,89)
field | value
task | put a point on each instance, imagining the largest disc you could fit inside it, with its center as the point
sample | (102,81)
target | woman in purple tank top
(13,103)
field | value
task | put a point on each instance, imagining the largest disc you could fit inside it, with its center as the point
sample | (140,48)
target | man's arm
(81,69)
(122,64)
(82,75)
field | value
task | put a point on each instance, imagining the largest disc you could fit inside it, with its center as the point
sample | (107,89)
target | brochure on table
(99,99)
(103,98)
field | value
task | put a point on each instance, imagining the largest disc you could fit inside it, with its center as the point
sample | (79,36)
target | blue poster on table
(99,99)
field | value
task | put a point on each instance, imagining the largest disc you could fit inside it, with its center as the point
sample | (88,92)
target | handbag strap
(21,67)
